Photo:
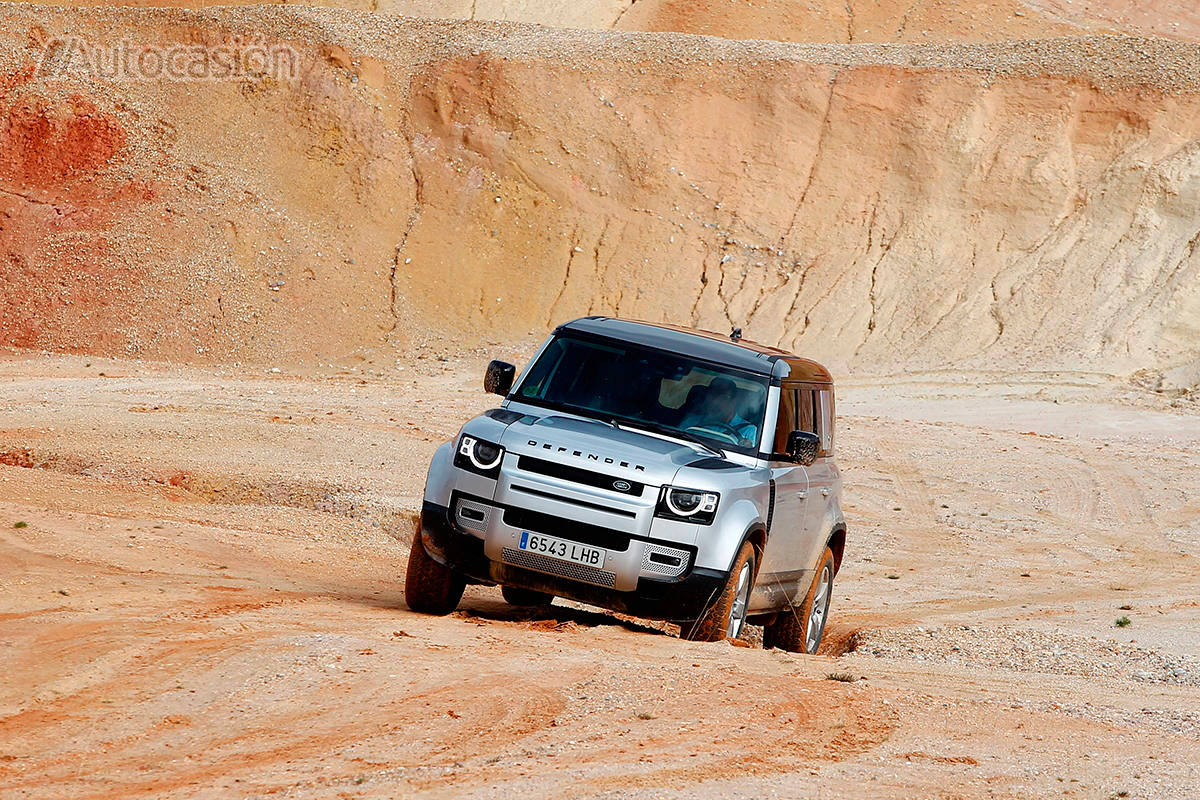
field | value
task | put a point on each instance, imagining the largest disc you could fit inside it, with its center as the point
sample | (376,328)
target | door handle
(824,491)
(802,495)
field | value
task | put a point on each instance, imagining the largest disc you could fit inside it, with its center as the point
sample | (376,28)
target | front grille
(577,475)
(554,566)
(571,529)
(669,562)
(581,503)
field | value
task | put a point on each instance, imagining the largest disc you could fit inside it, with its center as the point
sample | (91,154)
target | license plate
(562,549)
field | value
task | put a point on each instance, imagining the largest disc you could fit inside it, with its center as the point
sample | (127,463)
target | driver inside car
(719,413)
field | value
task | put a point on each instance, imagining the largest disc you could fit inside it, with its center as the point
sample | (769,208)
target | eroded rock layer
(881,207)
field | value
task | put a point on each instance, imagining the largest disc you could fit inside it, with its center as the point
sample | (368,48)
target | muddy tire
(726,617)
(799,629)
(430,587)
(526,598)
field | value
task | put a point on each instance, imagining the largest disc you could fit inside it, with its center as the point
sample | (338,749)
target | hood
(591,444)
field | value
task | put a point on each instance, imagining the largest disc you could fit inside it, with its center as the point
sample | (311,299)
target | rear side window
(806,408)
(814,413)
(824,414)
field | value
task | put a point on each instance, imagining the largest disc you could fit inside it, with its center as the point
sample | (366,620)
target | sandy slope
(173,623)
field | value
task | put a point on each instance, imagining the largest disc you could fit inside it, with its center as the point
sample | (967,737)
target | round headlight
(691,504)
(683,502)
(485,455)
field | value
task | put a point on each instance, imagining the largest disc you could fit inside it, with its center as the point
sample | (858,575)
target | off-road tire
(430,587)
(713,625)
(789,631)
(525,598)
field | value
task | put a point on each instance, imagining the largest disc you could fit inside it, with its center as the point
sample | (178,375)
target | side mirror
(802,447)
(499,377)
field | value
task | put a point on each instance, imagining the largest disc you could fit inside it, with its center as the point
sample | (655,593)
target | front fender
(439,482)
(718,546)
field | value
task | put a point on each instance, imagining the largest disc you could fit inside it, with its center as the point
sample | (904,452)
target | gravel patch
(1177,720)
(1023,650)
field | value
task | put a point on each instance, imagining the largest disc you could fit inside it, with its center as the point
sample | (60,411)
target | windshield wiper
(623,422)
(550,405)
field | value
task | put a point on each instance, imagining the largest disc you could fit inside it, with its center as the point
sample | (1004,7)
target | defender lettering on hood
(589,456)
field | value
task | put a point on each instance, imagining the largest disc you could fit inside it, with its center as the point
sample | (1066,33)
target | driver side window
(786,422)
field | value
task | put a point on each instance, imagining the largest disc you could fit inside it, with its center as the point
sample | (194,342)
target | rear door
(815,408)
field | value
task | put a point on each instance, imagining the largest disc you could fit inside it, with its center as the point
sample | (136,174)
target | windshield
(668,393)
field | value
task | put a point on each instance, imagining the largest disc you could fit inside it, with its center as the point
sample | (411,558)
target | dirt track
(207,601)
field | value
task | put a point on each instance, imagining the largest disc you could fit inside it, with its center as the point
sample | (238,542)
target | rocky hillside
(882,207)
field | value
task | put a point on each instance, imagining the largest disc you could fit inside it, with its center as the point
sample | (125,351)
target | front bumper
(685,597)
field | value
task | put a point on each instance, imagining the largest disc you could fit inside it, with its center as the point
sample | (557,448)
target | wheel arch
(837,543)
(756,535)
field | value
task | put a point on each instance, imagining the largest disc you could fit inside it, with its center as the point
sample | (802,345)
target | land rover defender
(658,471)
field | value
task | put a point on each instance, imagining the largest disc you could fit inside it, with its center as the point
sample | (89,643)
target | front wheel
(430,587)
(726,617)
(799,629)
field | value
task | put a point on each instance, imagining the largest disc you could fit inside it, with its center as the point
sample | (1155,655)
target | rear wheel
(516,596)
(726,617)
(799,629)
(430,587)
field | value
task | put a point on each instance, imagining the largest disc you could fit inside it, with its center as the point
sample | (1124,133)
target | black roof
(703,345)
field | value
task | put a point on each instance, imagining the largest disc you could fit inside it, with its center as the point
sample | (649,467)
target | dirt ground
(201,595)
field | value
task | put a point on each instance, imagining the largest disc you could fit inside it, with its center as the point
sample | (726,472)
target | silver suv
(658,471)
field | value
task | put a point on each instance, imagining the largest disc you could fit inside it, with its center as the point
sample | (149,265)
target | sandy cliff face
(1016,205)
